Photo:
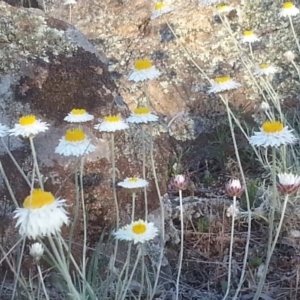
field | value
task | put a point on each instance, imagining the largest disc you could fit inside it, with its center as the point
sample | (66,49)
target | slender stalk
(271,227)
(181,245)
(11,193)
(162,209)
(76,214)
(42,281)
(251,51)
(17,275)
(144,171)
(133,206)
(131,275)
(230,250)
(125,268)
(294,33)
(142,272)
(84,228)
(36,162)
(15,162)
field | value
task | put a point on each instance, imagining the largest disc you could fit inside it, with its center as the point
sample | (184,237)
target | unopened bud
(234,189)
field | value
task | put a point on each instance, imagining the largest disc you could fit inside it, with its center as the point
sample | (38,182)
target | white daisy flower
(78,116)
(133,183)
(222,84)
(265,69)
(36,251)
(111,124)
(232,211)
(4,130)
(70,2)
(74,143)
(249,37)
(208,2)
(143,70)
(288,10)
(288,183)
(142,115)
(224,9)
(274,134)
(137,232)
(41,215)
(28,126)
(160,9)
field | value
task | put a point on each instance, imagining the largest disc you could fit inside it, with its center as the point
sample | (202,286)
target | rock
(48,68)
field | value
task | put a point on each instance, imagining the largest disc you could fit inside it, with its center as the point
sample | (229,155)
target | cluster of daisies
(41,205)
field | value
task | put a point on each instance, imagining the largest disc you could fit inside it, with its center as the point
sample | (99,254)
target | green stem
(11,193)
(181,245)
(133,206)
(42,281)
(144,171)
(36,162)
(15,162)
(230,250)
(84,229)
(271,227)
(294,33)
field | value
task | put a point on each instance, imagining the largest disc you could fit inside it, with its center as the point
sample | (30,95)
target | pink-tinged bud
(180,182)
(288,183)
(234,188)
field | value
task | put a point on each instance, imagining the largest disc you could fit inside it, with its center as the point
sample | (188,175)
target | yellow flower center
(112,119)
(77,111)
(133,179)
(142,111)
(142,64)
(139,228)
(27,120)
(264,66)
(222,80)
(75,135)
(159,6)
(38,199)
(272,126)
(248,33)
(287,5)
(221,7)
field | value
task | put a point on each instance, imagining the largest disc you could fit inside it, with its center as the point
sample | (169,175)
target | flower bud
(180,182)
(36,251)
(288,183)
(234,189)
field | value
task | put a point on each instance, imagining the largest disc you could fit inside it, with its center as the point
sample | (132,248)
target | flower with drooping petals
(74,143)
(288,183)
(234,188)
(265,69)
(137,232)
(4,130)
(28,126)
(249,37)
(111,124)
(288,10)
(160,9)
(143,70)
(142,115)
(133,183)
(78,116)
(222,84)
(41,215)
(274,134)
(36,251)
